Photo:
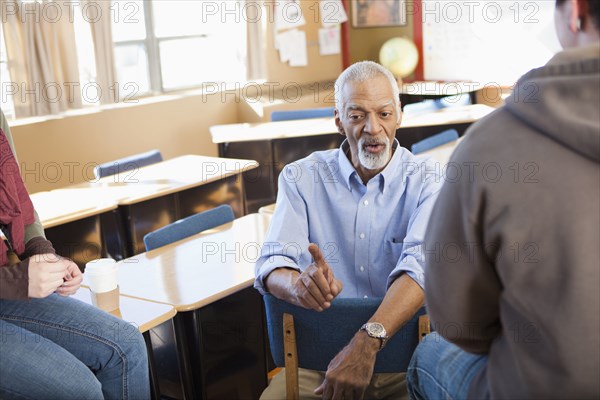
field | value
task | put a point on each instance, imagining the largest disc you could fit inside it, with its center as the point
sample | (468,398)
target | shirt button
(366,202)
(365,296)
(361,268)
(362,236)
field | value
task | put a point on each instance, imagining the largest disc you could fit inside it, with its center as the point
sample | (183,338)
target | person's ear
(576,17)
(338,122)
(399,122)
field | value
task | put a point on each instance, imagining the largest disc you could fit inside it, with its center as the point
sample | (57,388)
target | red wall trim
(346,37)
(418,36)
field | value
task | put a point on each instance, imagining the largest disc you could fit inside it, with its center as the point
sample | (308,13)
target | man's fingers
(313,286)
(325,390)
(316,254)
(319,390)
(310,303)
(318,277)
(336,287)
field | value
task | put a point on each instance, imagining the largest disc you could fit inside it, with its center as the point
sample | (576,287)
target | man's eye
(354,117)
(386,114)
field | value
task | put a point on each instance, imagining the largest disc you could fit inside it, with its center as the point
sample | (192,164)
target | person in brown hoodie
(513,245)
(53,346)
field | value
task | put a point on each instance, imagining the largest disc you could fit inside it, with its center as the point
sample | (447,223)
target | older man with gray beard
(366,205)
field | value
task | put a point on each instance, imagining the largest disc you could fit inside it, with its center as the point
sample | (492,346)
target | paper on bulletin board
(292,47)
(329,41)
(332,12)
(288,15)
(283,50)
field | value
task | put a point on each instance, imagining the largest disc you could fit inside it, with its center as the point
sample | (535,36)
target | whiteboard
(484,41)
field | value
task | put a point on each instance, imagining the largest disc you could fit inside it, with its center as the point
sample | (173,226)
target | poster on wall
(378,13)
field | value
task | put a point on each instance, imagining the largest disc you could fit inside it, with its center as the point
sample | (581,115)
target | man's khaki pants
(383,386)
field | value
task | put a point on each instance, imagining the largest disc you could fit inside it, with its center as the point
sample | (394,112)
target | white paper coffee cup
(101,275)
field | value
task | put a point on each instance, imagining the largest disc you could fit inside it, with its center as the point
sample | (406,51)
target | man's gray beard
(373,161)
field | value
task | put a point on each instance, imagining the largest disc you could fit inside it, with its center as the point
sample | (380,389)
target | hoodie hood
(562,100)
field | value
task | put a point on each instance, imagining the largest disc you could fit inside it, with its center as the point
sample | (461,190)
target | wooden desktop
(219,327)
(110,216)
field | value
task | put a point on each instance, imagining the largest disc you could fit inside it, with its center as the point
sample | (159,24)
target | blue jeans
(441,370)
(61,348)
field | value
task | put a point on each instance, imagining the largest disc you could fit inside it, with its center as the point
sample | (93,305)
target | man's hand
(350,372)
(316,286)
(72,280)
(46,273)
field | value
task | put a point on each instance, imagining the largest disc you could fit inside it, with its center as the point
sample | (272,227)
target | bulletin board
(320,68)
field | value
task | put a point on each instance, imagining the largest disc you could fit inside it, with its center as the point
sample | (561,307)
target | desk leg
(154,387)
(229,343)
(183,354)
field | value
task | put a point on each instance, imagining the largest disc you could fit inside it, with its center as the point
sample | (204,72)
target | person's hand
(349,373)
(46,273)
(72,280)
(316,286)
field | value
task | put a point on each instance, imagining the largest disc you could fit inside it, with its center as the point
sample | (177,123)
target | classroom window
(86,59)
(164,45)
(6,102)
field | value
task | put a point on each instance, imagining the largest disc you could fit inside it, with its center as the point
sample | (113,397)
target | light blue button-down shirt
(369,234)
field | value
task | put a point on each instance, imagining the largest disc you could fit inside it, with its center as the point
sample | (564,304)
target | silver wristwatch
(377,331)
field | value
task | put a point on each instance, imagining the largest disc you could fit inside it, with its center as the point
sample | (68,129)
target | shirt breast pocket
(393,248)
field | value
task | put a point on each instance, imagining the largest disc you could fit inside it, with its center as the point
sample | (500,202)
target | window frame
(152,44)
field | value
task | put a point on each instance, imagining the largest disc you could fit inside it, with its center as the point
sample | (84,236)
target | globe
(400,56)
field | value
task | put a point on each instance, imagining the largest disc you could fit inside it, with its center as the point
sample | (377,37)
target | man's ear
(399,122)
(576,17)
(338,122)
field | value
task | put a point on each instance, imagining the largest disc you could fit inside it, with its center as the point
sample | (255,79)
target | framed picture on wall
(378,13)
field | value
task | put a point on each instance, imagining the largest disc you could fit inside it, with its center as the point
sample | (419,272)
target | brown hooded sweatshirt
(513,245)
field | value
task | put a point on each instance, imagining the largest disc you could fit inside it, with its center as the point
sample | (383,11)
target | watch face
(376,329)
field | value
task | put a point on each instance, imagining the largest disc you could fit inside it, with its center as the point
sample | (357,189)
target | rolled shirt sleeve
(289,226)
(412,260)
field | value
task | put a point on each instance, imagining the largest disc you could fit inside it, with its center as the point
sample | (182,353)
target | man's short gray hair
(363,71)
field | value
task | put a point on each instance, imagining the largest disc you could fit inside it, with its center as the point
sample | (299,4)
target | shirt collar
(386,177)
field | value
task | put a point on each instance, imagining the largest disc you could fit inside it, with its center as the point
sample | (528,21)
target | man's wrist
(280,283)
(370,344)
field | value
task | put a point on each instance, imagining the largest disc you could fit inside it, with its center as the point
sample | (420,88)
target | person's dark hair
(593,10)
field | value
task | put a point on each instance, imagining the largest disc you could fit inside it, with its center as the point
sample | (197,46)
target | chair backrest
(434,141)
(287,115)
(188,226)
(321,335)
(127,163)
